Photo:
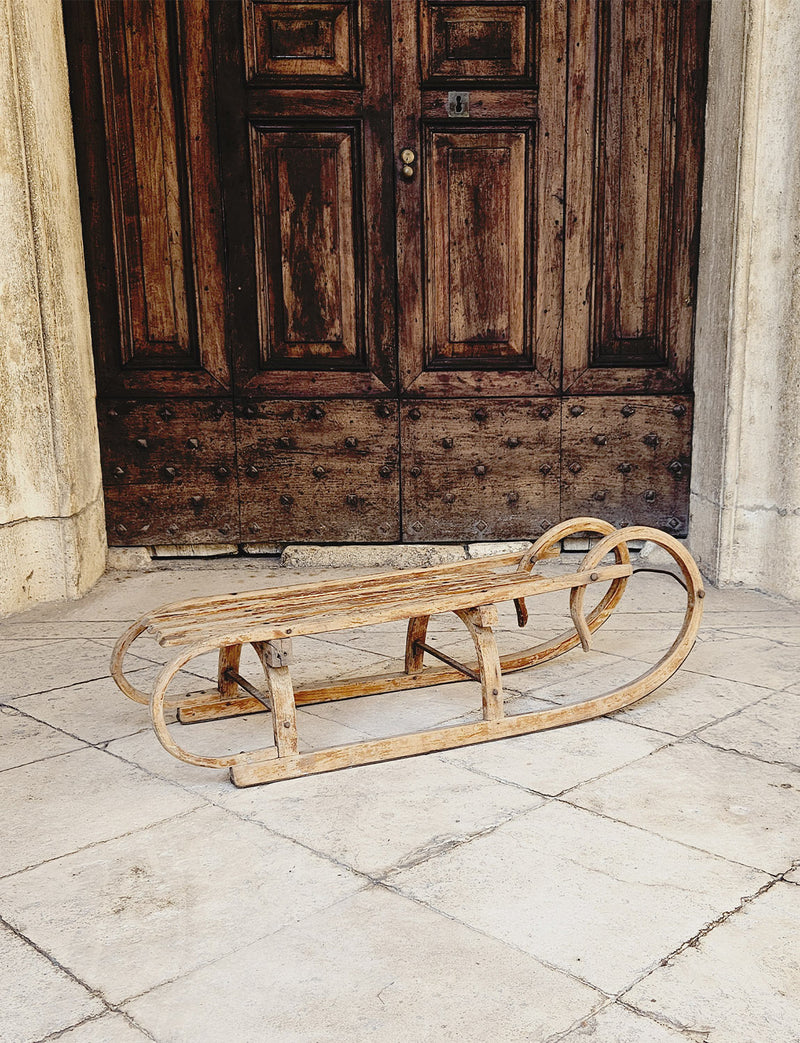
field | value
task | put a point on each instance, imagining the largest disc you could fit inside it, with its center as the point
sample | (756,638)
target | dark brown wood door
(376,271)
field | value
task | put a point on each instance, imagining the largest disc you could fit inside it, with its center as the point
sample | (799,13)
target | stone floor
(632,879)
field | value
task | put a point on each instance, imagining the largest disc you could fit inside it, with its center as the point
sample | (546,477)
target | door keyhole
(458,103)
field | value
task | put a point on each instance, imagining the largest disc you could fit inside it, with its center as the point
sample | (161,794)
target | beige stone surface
(52,535)
(710,799)
(24,739)
(740,983)
(768,729)
(69,801)
(377,555)
(110,1028)
(127,558)
(38,998)
(374,967)
(169,899)
(195,550)
(585,894)
(615,1024)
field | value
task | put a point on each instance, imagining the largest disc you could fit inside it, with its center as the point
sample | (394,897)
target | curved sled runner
(472,589)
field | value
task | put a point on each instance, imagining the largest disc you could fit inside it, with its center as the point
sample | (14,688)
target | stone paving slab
(36,997)
(596,898)
(768,730)
(733,806)
(615,1024)
(24,740)
(153,905)
(741,982)
(374,967)
(110,1028)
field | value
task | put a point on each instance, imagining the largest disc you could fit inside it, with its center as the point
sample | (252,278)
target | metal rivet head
(676,469)
(624,523)
(197,501)
(480,414)
(447,443)
(594,577)
(415,472)
(545,412)
(701,593)
(172,529)
(628,410)
(251,470)
(255,527)
(512,442)
(414,414)
(121,528)
(318,471)
(119,472)
(145,528)
(599,495)
(112,414)
(385,471)
(142,443)
(250,411)
(169,471)
(222,471)
(600,440)
(624,468)
(193,443)
(284,443)
(383,410)
(512,499)
(650,496)
(316,413)
(287,500)
(145,501)
(224,529)
(166,413)
(351,500)
(576,411)
(545,469)
(350,442)
(575,468)
(449,497)
(218,412)
(673,523)
(679,410)
(652,440)
(480,470)
(545,524)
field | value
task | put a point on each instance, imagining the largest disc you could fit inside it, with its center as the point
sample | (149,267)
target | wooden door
(305,126)
(480,101)
(369,271)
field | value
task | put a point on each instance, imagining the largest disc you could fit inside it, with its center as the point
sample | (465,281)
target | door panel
(164,332)
(479,224)
(480,469)
(627,458)
(637,90)
(322,470)
(307,185)
(169,471)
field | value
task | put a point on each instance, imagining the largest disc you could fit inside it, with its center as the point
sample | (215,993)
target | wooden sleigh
(472,589)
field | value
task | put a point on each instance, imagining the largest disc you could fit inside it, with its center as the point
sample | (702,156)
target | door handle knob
(408,158)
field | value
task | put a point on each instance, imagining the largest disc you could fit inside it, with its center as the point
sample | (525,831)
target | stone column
(52,528)
(745,521)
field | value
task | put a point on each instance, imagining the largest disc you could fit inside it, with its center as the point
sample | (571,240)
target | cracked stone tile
(21,644)
(750,660)
(688,701)
(145,908)
(55,665)
(110,1028)
(767,730)
(740,982)
(794,876)
(66,802)
(37,997)
(95,711)
(23,740)
(554,760)
(376,816)
(597,898)
(408,974)
(715,800)
(219,738)
(782,634)
(577,676)
(615,1024)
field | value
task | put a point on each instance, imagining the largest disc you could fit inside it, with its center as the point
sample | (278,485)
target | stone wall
(52,529)
(745,521)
